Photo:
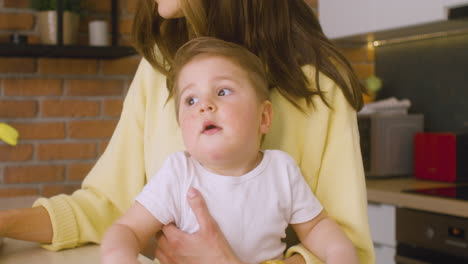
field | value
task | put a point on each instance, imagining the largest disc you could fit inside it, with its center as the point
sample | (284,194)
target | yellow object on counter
(8,134)
(273,262)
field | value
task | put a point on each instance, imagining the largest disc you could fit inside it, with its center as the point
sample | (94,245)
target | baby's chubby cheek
(188,123)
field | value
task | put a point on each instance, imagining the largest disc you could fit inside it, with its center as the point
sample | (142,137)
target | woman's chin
(170,14)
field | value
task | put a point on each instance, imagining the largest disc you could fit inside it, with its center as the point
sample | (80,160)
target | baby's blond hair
(237,54)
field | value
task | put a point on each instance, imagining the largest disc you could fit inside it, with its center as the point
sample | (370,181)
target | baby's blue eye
(192,100)
(224,92)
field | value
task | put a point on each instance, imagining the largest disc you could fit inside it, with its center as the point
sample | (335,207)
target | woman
(315,96)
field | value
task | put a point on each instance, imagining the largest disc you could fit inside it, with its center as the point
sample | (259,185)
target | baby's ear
(267,117)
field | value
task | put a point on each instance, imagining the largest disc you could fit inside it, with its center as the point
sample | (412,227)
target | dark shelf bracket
(60,22)
(114,22)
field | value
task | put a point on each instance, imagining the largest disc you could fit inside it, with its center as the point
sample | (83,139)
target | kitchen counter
(385,191)
(16,251)
(389,191)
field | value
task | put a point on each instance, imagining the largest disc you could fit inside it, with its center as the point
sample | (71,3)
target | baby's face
(219,113)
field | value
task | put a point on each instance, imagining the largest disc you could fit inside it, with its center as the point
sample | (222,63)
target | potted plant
(47,20)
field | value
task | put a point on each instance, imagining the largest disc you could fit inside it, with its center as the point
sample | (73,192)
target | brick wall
(361,58)
(64,109)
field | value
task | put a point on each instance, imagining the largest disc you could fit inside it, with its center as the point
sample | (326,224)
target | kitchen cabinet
(382,227)
(386,197)
(342,19)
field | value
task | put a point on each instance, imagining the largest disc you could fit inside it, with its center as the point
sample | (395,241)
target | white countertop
(16,251)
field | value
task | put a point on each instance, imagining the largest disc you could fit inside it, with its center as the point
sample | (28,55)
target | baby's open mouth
(210,128)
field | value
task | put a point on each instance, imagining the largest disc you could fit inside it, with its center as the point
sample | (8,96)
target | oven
(430,238)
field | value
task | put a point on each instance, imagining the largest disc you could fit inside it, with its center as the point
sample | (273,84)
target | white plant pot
(47,22)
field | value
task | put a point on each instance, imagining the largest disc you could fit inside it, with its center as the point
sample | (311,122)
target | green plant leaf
(49,5)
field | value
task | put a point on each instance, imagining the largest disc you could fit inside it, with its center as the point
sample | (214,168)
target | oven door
(407,254)
(425,237)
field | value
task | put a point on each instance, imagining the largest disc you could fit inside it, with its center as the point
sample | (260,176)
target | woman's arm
(129,235)
(32,224)
(325,239)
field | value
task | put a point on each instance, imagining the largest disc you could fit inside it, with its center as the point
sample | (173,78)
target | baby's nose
(207,107)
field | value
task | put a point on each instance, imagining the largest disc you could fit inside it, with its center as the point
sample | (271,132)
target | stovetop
(456,192)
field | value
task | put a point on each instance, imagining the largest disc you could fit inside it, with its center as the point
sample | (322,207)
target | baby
(222,103)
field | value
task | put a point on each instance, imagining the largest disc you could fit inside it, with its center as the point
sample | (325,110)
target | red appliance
(441,156)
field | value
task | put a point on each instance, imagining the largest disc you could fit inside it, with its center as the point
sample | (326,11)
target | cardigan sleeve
(331,162)
(114,181)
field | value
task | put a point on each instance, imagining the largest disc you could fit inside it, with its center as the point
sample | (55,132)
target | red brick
(131,6)
(94,87)
(354,55)
(364,70)
(370,54)
(97,6)
(78,171)
(21,152)
(312,3)
(17,65)
(67,66)
(124,66)
(16,21)
(4,38)
(69,108)
(16,191)
(83,39)
(51,190)
(113,107)
(67,151)
(125,25)
(125,40)
(40,130)
(32,174)
(33,39)
(102,147)
(91,129)
(10,108)
(16,3)
(36,87)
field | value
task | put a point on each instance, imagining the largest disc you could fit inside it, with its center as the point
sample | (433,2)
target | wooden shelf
(71,51)
(65,51)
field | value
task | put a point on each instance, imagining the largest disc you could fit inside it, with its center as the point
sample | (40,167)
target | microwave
(387,143)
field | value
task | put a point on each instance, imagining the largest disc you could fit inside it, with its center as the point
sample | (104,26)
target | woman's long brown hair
(284,34)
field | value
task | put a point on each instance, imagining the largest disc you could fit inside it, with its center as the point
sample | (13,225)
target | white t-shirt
(252,210)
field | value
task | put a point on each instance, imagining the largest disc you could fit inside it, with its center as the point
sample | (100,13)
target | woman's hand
(207,245)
